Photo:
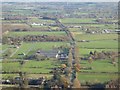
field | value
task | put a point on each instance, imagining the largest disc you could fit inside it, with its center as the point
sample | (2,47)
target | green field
(96,36)
(99,66)
(21,11)
(19,25)
(30,66)
(14,21)
(90,78)
(85,51)
(30,48)
(96,78)
(37,20)
(0,47)
(57,33)
(74,29)
(105,44)
(73,22)
(44,67)
(4,48)
(77,20)
(101,26)
(34,46)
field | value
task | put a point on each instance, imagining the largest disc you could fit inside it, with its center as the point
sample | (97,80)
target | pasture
(42,21)
(101,72)
(21,34)
(32,22)
(14,21)
(105,44)
(86,51)
(97,37)
(34,46)
(32,67)
(36,69)
(77,20)
(96,78)
(101,26)
(99,66)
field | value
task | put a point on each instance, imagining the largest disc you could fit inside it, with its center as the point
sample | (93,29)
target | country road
(71,41)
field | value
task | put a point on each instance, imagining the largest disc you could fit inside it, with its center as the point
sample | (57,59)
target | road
(71,40)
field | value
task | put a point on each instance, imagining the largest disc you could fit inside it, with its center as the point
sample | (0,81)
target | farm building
(53,54)
(48,54)
(62,56)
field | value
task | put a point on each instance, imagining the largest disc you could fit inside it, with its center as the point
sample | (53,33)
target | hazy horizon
(60,0)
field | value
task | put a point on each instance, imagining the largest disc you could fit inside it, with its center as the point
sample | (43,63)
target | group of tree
(65,77)
(103,55)
(38,38)
(113,84)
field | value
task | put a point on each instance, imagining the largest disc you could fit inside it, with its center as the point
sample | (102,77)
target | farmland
(33,47)
(100,44)
(36,20)
(60,41)
(76,20)
(99,78)
(36,33)
(85,51)
(96,37)
(30,66)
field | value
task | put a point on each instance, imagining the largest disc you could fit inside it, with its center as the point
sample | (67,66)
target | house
(106,31)
(62,56)
(38,24)
(118,31)
(55,53)
(77,26)
(35,24)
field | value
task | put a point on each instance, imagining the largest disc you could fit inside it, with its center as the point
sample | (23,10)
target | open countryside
(62,45)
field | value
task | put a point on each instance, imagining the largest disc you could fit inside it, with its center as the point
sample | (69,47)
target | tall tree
(77,60)
(70,58)
(76,83)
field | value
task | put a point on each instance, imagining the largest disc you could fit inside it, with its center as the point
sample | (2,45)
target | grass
(58,33)
(19,25)
(37,20)
(30,66)
(77,20)
(105,44)
(85,51)
(14,21)
(96,78)
(9,67)
(101,26)
(45,64)
(74,29)
(4,46)
(99,66)
(81,13)
(0,46)
(43,67)
(8,76)
(96,36)
(5,49)
(34,46)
